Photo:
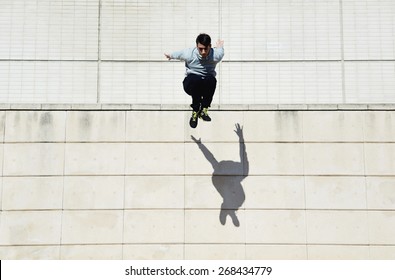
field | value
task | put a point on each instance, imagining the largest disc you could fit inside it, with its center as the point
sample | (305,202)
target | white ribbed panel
(281,82)
(276,51)
(142,82)
(48,82)
(370,82)
(49,29)
(281,30)
(369,29)
(145,29)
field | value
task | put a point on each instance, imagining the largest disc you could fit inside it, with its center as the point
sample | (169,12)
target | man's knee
(192,83)
(211,84)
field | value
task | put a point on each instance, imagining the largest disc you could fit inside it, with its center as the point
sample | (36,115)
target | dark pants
(201,89)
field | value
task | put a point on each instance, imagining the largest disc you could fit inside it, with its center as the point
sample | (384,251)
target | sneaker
(194,119)
(204,115)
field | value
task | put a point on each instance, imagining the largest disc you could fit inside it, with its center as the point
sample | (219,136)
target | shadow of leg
(235,220)
(222,216)
(231,213)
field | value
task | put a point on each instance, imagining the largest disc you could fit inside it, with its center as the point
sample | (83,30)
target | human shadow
(227,177)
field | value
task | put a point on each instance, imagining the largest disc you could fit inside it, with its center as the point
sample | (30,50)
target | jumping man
(200,81)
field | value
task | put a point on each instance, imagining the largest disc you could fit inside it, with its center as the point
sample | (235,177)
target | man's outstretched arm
(180,55)
(168,56)
(219,44)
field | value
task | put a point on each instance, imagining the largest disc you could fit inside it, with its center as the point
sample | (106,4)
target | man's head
(203,44)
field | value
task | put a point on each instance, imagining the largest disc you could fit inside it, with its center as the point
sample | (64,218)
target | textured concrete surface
(110,183)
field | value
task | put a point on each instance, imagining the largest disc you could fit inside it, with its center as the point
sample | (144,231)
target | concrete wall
(120,182)
(276,51)
(311,182)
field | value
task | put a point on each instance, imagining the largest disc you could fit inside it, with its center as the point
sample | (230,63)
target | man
(200,81)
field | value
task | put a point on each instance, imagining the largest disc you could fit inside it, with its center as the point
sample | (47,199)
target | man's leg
(210,84)
(193,87)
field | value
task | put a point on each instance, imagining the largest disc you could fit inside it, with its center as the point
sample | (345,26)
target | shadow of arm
(242,149)
(206,152)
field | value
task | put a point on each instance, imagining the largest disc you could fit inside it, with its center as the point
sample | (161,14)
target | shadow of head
(228,167)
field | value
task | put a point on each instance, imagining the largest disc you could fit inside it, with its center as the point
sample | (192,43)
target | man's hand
(220,44)
(168,56)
